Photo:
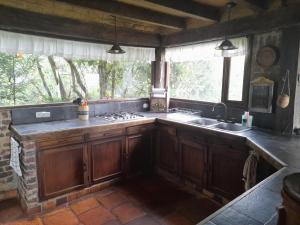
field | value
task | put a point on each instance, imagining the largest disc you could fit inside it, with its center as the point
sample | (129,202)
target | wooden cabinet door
(139,153)
(106,159)
(167,152)
(193,161)
(226,170)
(61,170)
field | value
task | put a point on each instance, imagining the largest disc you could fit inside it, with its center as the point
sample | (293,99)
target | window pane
(28,79)
(197,80)
(236,78)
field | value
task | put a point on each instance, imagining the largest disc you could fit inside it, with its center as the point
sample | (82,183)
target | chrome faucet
(225,110)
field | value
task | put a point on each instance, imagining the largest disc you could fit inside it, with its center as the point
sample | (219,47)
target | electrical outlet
(42,115)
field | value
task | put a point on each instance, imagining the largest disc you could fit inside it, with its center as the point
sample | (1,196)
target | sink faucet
(225,109)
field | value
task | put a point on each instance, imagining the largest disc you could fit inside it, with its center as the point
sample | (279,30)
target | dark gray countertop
(256,206)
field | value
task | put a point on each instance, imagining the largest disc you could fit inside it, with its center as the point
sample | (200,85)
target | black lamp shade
(226,45)
(116,49)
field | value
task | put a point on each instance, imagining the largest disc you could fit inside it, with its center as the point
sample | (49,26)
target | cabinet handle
(84,167)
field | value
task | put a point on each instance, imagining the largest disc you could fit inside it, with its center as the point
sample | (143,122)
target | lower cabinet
(106,158)
(167,151)
(139,153)
(192,162)
(61,170)
(226,170)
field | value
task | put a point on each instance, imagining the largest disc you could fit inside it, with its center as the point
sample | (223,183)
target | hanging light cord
(115,18)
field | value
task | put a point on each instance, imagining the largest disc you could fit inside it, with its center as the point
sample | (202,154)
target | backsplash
(66,112)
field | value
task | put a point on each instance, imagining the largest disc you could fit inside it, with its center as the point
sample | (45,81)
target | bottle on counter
(247,120)
(83,109)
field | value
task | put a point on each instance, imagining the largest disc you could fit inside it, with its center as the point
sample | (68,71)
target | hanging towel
(15,150)
(249,172)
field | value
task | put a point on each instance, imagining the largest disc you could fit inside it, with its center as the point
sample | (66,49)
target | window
(36,70)
(201,73)
(236,78)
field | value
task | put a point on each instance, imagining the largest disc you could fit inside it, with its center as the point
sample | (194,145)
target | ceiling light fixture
(116,48)
(227,44)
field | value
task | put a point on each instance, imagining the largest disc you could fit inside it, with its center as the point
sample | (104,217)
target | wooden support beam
(16,20)
(193,9)
(268,21)
(131,12)
(255,5)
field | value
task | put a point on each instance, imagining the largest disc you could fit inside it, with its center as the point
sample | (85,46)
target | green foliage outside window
(35,80)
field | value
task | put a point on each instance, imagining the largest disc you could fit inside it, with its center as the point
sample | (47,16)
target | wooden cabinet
(106,158)
(61,170)
(139,153)
(168,150)
(226,170)
(192,161)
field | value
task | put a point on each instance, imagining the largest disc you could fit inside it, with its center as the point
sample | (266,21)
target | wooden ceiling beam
(275,19)
(17,20)
(131,12)
(191,8)
(255,5)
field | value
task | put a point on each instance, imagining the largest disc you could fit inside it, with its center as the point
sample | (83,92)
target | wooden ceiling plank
(131,12)
(255,5)
(22,21)
(276,19)
(193,9)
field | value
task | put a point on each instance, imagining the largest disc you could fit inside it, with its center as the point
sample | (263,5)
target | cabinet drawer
(169,130)
(192,136)
(140,129)
(105,134)
(60,142)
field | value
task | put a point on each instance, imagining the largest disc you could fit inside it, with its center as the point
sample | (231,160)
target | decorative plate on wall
(267,56)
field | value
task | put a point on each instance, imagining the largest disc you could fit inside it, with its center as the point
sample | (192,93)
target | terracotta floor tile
(84,205)
(96,216)
(127,212)
(10,210)
(62,217)
(104,192)
(33,221)
(145,220)
(112,200)
(175,219)
(197,209)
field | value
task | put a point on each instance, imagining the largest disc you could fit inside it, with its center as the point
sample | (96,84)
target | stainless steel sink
(230,127)
(204,122)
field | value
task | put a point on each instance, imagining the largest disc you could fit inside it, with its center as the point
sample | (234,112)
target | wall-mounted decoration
(283,99)
(267,56)
(261,95)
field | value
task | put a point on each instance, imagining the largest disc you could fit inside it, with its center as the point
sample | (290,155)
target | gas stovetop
(120,116)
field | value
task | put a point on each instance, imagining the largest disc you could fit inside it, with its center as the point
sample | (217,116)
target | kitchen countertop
(256,206)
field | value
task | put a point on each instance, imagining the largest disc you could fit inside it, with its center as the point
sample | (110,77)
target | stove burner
(119,116)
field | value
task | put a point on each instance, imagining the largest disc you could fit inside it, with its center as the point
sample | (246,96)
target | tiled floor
(144,201)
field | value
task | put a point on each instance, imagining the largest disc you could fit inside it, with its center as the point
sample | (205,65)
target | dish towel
(249,171)
(15,150)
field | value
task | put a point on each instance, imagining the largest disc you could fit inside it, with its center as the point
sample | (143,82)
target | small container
(83,112)
(244,120)
(249,121)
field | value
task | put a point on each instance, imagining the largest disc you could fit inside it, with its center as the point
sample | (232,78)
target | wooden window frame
(243,104)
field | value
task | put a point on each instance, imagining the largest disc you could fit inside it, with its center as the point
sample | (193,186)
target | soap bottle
(244,119)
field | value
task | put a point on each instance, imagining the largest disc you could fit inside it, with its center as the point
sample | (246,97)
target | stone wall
(7,180)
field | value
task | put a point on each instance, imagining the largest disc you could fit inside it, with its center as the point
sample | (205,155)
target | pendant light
(227,44)
(116,48)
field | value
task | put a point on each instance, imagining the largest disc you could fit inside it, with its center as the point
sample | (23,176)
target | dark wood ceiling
(148,19)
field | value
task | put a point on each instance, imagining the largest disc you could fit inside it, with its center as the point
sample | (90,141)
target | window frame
(243,104)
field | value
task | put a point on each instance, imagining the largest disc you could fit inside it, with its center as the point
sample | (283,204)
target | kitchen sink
(230,127)
(204,122)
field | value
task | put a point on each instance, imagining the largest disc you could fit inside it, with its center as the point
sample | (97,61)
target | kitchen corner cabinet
(192,161)
(168,149)
(139,149)
(106,159)
(61,170)
(226,169)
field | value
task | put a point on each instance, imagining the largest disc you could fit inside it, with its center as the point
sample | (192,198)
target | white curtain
(13,43)
(205,50)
